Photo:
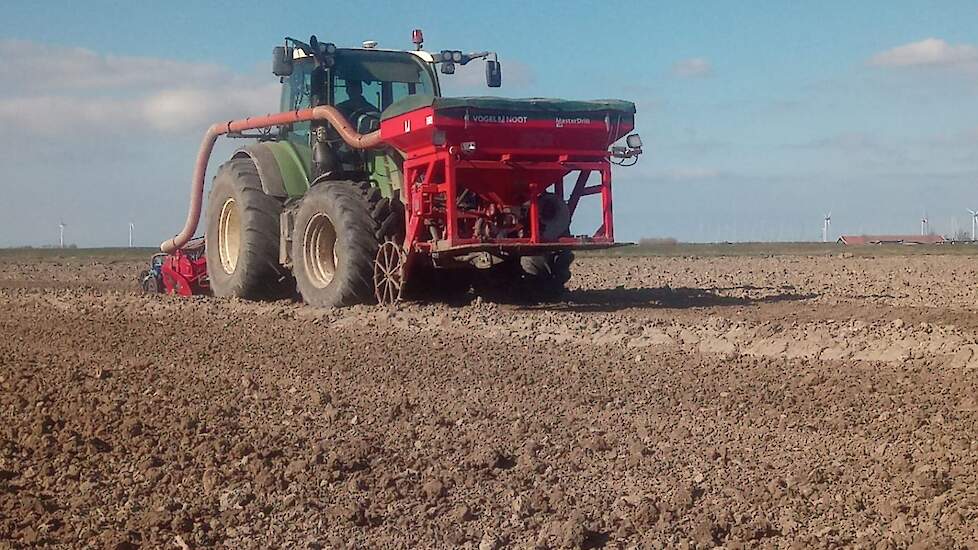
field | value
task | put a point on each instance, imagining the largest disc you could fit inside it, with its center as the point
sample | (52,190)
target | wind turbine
(826,222)
(974,222)
(61,233)
(923,224)
(130,234)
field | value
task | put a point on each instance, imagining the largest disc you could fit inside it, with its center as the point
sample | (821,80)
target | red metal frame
(184,272)
(432,176)
(506,174)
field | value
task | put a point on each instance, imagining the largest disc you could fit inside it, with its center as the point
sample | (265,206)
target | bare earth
(742,402)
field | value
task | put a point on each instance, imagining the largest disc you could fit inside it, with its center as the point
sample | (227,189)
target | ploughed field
(744,401)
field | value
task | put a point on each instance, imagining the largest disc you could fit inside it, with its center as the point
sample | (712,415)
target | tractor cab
(362,83)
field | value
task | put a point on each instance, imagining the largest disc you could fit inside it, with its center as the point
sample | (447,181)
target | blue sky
(758,116)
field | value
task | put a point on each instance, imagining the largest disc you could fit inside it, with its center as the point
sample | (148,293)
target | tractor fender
(280,168)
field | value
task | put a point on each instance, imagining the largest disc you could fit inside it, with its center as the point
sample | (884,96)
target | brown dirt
(669,402)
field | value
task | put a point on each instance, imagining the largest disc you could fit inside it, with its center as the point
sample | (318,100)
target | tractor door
(297,94)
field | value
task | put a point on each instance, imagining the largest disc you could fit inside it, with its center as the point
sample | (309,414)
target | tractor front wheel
(242,235)
(334,245)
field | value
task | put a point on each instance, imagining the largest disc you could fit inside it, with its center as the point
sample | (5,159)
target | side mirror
(494,74)
(281,61)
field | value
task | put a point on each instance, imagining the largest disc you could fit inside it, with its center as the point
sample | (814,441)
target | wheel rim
(229,236)
(389,273)
(319,250)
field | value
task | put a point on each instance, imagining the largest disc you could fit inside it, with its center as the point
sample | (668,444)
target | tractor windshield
(379,79)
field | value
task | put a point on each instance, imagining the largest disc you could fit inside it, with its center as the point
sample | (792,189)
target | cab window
(385,77)
(296,94)
(371,92)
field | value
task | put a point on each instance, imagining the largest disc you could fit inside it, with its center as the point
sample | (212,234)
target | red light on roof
(417,38)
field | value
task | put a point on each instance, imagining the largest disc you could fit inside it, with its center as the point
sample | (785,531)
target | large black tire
(544,277)
(242,235)
(526,280)
(338,227)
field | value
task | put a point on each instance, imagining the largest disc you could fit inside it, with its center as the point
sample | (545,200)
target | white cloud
(847,141)
(80,90)
(694,67)
(180,108)
(78,69)
(957,145)
(690,174)
(931,52)
(867,151)
(53,115)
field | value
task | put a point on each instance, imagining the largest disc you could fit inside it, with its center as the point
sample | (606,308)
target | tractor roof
(423,55)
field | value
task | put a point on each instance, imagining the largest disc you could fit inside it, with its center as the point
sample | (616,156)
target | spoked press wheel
(389,273)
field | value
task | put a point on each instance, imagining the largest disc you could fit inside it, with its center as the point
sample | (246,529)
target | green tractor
(270,187)
(368,177)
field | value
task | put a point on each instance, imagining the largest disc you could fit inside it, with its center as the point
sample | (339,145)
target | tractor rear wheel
(242,235)
(338,228)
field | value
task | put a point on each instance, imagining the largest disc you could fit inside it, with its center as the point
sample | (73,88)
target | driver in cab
(355,104)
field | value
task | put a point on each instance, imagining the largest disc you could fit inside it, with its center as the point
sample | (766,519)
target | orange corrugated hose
(324,112)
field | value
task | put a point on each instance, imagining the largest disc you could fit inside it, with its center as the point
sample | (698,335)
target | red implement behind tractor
(184,272)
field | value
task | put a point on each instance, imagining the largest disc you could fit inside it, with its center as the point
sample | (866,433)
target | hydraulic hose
(324,112)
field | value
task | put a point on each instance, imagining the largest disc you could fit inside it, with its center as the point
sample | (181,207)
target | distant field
(665,249)
(784,249)
(116,253)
